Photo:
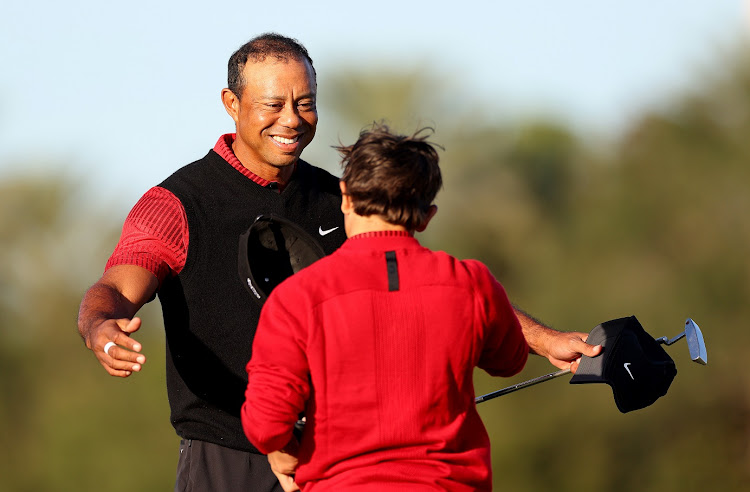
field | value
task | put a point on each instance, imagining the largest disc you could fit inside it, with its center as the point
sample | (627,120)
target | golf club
(696,347)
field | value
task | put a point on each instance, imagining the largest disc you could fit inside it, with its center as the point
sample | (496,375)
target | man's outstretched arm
(107,315)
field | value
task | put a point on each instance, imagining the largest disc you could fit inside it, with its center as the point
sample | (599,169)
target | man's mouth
(284,140)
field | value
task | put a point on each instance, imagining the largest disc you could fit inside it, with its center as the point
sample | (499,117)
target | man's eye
(306,106)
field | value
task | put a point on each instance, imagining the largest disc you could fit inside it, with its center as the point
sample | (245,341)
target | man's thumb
(132,326)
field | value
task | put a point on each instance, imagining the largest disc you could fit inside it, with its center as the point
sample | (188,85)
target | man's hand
(124,357)
(106,318)
(284,463)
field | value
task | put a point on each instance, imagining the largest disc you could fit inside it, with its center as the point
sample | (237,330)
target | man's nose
(289,116)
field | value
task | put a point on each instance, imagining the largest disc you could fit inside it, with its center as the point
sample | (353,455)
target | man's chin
(281,164)
(283,160)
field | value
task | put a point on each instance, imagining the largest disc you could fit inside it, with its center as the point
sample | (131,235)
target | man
(378,343)
(180,242)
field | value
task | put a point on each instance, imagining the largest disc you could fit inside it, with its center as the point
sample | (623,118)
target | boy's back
(388,333)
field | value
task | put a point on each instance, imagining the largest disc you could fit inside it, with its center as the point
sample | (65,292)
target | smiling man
(275,114)
(180,242)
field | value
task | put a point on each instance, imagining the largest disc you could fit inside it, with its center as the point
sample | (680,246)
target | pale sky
(120,95)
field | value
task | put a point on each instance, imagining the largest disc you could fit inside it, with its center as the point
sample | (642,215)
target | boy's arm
(562,349)
(278,385)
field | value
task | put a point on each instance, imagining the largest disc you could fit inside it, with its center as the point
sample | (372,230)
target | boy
(377,343)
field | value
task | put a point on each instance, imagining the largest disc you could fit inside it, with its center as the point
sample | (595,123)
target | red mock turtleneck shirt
(377,344)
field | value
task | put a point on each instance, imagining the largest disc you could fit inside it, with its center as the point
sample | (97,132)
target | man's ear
(231,103)
(346,201)
(430,214)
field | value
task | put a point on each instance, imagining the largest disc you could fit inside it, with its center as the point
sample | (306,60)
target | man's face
(277,116)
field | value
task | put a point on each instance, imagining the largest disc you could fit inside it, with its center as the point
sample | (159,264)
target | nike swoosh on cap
(628,369)
(327,231)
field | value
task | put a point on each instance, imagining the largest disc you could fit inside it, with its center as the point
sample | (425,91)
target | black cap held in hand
(635,365)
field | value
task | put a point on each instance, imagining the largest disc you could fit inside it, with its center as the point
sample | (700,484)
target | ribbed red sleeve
(154,236)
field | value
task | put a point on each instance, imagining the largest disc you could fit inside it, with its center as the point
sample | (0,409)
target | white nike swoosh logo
(628,369)
(327,231)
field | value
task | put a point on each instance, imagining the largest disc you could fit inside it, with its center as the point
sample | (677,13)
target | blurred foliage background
(579,229)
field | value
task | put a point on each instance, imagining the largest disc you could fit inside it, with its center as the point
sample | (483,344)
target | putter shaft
(525,384)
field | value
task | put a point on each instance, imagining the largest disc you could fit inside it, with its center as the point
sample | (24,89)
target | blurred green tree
(65,424)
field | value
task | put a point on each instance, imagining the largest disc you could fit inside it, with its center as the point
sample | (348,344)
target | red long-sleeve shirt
(155,233)
(384,376)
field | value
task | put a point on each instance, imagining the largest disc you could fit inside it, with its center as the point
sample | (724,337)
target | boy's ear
(430,214)
(346,200)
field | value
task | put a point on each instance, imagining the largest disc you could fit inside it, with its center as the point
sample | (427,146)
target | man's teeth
(285,140)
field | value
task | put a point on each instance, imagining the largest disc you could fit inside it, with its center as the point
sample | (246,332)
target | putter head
(696,344)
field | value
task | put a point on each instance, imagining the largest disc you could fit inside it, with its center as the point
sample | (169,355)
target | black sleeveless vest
(209,316)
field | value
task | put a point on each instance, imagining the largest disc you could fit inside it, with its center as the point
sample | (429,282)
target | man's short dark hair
(257,50)
(394,176)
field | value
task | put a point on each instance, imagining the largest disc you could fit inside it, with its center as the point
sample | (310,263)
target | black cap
(272,249)
(631,362)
